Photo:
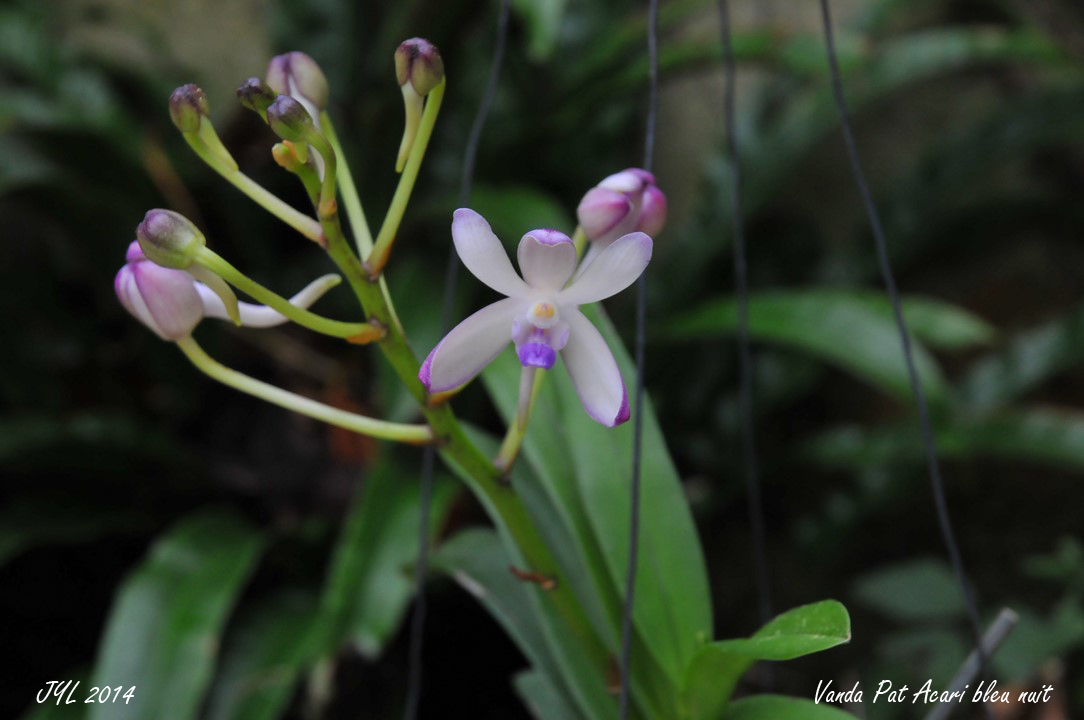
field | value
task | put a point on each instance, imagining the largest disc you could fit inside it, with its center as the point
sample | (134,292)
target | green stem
(356,332)
(457,450)
(351,199)
(530,383)
(579,239)
(379,256)
(299,221)
(417,434)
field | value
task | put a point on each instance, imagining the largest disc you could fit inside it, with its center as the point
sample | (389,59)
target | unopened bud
(169,239)
(256,95)
(418,62)
(188,106)
(297,75)
(164,300)
(289,119)
(628,201)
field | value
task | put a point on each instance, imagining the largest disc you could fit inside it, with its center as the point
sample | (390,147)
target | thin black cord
(638,415)
(451,277)
(745,355)
(936,482)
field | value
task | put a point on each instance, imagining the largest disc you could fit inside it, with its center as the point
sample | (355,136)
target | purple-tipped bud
(289,119)
(188,106)
(625,202)
(169,239)
(164,300)
(256,95)
(297,75)
(418,62)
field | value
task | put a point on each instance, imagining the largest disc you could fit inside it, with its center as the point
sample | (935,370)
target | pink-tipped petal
(601,210)
(483,254)
(652,211)
(164,300)
(594,372)
(547,259)
(470,346)
(612,270)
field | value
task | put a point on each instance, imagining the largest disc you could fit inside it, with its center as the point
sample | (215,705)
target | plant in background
(558,515)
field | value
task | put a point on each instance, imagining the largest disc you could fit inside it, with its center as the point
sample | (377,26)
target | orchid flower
(624,202)
(540,314)
(171,302)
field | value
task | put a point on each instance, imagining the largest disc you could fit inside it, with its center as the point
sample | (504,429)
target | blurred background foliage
(153,519)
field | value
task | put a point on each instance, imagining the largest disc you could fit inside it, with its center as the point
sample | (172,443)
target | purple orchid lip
(537,355)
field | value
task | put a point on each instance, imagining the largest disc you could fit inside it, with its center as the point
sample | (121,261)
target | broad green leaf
(544,702)
(553,499)
(936,322)
(920,591)
(479,563)
(262,658)
(1046,436)
(716,669)
(166,623)
(1026,360)
(673,605)
(778,707)
(370,582)
(840,327)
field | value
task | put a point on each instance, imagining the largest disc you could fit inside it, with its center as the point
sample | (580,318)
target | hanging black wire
(451,277)
(937,484)
(638,415)
(745,355)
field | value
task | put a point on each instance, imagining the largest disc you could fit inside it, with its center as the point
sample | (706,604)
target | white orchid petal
(483,254)
(547,259)
(613,269)
(594,371)
(470,346)
(261,316)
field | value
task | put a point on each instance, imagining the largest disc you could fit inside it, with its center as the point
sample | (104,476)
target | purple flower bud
(628,201)
(169,239)
(418,62)
(164,300)
(188,106)
(289,119)
(297,75)
(256,95)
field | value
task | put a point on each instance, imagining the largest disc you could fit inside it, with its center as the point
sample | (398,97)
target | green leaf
(263,657)
(936,322)
(673,605)
(1048,436)
(553,499)
(1028,359)
(838,326)
(541,698)
(370,581)
(778,707)
(920,591)
(716,669)
(478,562)
(165,626)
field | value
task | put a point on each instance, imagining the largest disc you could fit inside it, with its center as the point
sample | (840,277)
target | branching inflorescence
(172,280)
